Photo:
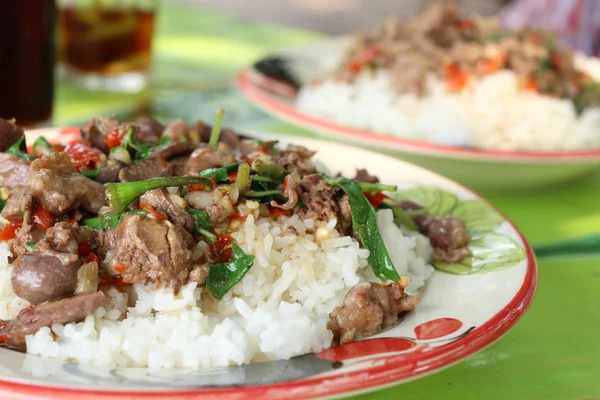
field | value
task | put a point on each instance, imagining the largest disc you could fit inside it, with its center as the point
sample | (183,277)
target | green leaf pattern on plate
(488,250)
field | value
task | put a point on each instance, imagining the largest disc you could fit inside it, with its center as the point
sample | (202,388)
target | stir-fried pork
(9,134)
(58,187)
(369,308)
(14,171)
(152,251)
(30,320)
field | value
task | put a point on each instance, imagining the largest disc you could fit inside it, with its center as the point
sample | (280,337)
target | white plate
(458,314)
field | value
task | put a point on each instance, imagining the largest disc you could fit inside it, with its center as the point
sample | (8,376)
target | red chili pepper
(276,212)
(84,249)
(531,84)
(157,214)
(72,221)
(220,251)
(376,199)
(4,338)
(466,24)
(456,77)
(535,39)
(285,184)
(489,66)
(120,268)
(42,219)
(114,280)
(114,138)
(82,156)
(238,217)
(8,232)
(232,175)
(250,158)
(354,66)
(196,188)
(268,146)
(92,257)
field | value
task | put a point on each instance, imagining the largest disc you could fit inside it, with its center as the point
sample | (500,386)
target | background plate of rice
(253,342)
(491,137)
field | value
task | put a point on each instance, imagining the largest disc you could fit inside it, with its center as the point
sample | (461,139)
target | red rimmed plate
(488,170)
(464,308)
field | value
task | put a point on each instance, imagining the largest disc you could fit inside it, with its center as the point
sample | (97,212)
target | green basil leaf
(2,205)
(222,277)
(221,174)
(109,222)
(20,149)
(364,223)
(202,224)
(41,147)
(91,173)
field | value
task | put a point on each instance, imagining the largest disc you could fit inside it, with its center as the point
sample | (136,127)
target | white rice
(490,113)
(279,310)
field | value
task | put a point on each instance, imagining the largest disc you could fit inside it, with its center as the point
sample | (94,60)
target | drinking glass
(27,60)
(106,44)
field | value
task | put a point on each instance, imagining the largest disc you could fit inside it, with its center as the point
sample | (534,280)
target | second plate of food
(493,109)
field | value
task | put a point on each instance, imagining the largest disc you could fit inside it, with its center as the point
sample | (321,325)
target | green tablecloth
(551,354)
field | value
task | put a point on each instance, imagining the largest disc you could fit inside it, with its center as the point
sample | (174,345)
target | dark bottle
(27,60)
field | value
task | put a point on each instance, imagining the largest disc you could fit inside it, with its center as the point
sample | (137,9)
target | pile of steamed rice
(490,113)
(279,310)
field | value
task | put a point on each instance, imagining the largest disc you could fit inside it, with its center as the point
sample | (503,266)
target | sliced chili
(157,214)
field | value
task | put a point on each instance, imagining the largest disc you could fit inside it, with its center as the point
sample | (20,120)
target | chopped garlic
(251,204)
(322,233)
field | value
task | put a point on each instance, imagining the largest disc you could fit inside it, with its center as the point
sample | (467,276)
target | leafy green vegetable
(364,223)
(434,201)
(222,277)
(216,129)
(2,205)
(261,178)
(489,252)
(91,173)
(376,187)
(221,175)
(478,215)
(546,64)
(30,245)
(19,148)
(120,195)
(272,170)
(41,147)
(202,224)
(589,96)
(109,222)
(243,176)
(253,193)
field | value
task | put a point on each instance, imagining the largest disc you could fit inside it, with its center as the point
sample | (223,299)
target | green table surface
(552,353)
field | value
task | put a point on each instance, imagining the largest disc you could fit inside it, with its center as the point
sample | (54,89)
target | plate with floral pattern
(464,307)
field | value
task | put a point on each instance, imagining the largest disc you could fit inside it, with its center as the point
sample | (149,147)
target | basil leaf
(2,205)
(41,147)
(202,224)
(364,223)
(109,222)
(20,149)
(91,173)
(143,151)
(221,174)
(222,277)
